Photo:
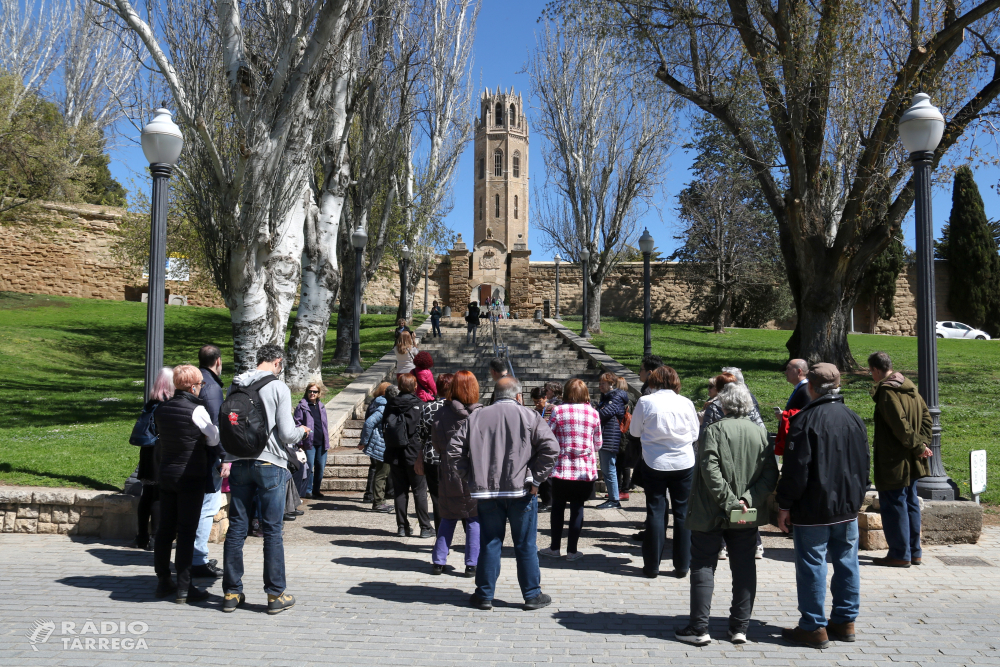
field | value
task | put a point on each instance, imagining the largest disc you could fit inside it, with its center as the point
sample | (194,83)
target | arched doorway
(486,293)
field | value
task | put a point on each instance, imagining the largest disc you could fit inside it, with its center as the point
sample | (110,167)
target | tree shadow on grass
(81,480)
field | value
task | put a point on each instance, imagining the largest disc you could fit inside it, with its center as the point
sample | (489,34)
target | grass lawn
(71,376)
(969,379)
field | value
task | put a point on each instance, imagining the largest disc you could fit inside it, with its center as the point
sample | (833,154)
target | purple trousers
(446,531)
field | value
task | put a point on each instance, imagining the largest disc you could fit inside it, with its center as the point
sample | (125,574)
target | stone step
(340,484)
(345,472)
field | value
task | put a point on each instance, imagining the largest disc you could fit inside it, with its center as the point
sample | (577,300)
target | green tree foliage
(41,157)
(941,244)
(973,261)
(878,287)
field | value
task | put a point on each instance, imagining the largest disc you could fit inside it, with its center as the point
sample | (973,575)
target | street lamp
(557,259)
(161,144)
(920,130)
(584,258)
(646,246)
(404,267)
(359,239)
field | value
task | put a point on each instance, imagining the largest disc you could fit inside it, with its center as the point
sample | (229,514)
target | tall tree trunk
(594,307)
(723,302)
(345,307)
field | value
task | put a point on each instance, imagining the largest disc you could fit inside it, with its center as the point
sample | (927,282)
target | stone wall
(904,321)
(65,250)
(105,514)
(384,289)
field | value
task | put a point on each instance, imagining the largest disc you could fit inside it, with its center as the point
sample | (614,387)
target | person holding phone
(734,474)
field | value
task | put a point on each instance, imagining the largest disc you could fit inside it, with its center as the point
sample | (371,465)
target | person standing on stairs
(577,428)
(405,349)
(402,451)
(472,322)
(611,408)
(426,388)
(436,320)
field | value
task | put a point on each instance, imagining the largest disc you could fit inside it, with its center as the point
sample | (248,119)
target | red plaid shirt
(577,427)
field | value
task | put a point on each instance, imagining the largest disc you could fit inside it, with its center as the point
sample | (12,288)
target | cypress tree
(973,261)
(878,286)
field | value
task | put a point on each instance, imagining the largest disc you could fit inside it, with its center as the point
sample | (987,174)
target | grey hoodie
(278,406)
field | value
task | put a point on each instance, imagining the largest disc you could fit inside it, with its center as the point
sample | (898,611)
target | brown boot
(815,639)
(916,561)
(890,562)
(841,632)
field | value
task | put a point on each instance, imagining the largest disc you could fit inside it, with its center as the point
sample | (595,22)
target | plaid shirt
(577,427)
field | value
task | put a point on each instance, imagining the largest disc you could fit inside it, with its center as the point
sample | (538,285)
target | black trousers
(150,494)
(431,474)
(405,479)
(657,484)
(705,547)
(180,512)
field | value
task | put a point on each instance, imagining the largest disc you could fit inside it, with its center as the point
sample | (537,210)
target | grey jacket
(503,449)
(278,406)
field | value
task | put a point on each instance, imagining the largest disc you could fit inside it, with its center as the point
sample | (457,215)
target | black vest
(181,446)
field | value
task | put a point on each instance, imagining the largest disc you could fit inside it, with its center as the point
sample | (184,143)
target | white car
(959,330)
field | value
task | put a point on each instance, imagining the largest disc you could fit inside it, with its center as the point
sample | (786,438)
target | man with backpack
(256,426)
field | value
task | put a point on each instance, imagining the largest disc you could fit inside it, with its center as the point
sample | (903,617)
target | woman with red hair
(426,388)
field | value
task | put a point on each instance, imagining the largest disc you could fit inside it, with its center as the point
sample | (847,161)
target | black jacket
(409,406)
(799,398)
(181,451)
(473,316)
(824,475)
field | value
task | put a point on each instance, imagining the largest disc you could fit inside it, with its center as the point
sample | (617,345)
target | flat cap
(824,374)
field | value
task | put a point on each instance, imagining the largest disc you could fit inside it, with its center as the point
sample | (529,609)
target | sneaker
(232,601)
(737,637)
(279,603)
(760,552)
(549,553)
(297,512)
(193,595)
(290,517)
(470,571)
(574,555)
(480,603)
(427,532)
(165,587)
(542,508)
(207,570)
(437,569)
(537,602)
(689,635)
(384,508)
(724,554)
(622,496)
(609,504)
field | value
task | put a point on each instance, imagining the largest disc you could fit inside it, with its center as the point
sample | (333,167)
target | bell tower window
(515,207)
(482,168)
(497,205)
(513,115)
(515,163)
(498,162)
(499,114)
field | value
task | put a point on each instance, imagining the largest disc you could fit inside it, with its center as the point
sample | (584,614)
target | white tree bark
(31,36)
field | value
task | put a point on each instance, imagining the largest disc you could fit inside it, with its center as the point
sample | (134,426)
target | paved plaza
(366,597)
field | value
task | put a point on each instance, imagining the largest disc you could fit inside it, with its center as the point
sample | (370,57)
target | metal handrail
(500,349)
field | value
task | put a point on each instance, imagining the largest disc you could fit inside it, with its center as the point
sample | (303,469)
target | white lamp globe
(161,139)
(646,243)
(406,251)
(557,259)
(922,125)
(584,255)
(359,238)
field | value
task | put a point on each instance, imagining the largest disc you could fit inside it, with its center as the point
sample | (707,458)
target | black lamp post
(358,239)
(920,130)
(161,144)
(584,259)
(404,268)
(646,246)
(557,259)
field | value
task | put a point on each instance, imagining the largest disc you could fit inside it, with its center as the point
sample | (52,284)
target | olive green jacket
(735,462)
(902,432)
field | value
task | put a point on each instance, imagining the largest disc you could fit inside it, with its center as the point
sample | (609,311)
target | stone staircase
(537,354)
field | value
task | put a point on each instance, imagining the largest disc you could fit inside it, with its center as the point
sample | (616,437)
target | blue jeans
(316,458)
(901,521)
(435,327)
(209,508)
(657,483)
(522,513)
(249,480)
(610,472)
(812,545)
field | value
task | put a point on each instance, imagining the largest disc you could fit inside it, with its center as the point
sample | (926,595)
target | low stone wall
(941,522)
(58,511)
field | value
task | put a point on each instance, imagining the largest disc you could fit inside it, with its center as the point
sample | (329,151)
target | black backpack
(144,431)
(243,429)
(395,432)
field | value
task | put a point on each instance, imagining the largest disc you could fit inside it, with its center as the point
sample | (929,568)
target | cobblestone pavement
(367,597)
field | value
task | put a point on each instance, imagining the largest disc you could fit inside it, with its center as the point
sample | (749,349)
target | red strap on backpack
(779,440)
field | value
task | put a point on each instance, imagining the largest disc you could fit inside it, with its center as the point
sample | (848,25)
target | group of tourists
(715,471)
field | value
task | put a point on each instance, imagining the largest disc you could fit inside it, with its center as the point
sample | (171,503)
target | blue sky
(505,35)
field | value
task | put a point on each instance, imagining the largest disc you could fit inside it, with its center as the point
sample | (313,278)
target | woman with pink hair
(163,390)
(426,388)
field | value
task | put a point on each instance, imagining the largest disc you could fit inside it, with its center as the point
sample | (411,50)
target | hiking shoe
(537,602)
(760,552)
(737,636)
(437,569)
(574,555)
(480,603)
(427,532)
(609,504)
(165,587)
(815,639)
(383,508)
(550,553)
(232,601)
(841,632)
(193,595)
(689,635)
(470,571)
(279,603)
(724,554)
